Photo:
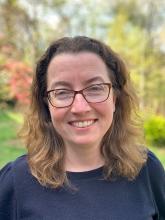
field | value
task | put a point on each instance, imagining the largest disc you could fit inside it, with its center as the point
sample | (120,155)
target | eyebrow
(96,78)
(60,83)
(67,84)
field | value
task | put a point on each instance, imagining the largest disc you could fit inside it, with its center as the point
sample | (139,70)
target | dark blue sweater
(23,198)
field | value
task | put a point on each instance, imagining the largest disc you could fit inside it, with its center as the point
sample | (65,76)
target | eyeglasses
(96,93)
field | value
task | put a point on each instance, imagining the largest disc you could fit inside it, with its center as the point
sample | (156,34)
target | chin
(85,142)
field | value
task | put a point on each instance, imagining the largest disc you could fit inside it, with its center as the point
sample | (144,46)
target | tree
(132,35)
(15,78)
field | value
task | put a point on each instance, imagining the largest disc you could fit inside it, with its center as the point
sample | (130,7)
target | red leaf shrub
(20,80)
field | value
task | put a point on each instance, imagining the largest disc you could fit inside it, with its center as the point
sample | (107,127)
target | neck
(83,158)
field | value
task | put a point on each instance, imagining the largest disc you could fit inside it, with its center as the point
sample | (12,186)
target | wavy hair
(46,151)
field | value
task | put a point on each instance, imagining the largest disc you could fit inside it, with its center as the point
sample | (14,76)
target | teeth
(82,124)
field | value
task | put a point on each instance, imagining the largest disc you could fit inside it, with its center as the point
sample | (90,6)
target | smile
(82,124)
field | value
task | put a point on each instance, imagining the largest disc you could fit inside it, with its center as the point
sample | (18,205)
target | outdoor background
(133,28)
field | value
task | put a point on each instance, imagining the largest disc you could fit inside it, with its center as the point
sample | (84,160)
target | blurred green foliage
(11,147)
(154,131)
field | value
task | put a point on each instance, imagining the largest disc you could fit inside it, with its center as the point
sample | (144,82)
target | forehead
(76,67)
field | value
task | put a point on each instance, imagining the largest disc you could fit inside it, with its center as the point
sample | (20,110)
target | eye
(63,94)
(96,88)
(60,92)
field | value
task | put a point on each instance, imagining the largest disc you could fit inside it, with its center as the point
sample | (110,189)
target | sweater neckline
(85,174)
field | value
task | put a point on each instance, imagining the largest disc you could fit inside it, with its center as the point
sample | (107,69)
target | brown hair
(123,157)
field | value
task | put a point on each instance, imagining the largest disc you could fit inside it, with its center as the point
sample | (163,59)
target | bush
(154,130)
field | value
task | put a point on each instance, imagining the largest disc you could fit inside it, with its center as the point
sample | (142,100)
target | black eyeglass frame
(79,92)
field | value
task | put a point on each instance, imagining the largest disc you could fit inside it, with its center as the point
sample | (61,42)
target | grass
(11,147)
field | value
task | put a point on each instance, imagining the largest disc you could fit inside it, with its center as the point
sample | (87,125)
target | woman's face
(82,123)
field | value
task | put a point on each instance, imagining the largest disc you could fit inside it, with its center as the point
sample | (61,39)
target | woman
(83,159)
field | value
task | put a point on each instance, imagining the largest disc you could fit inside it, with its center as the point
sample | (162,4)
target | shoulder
(156,174)
(8,172)
(154,166)
(22,160)
(156,171)
(8,201)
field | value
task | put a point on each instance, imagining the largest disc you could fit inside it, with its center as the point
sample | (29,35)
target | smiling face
(82,123)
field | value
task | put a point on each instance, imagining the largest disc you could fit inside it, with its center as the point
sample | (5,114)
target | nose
(80,105)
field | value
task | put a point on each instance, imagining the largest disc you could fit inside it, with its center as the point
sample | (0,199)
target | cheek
(57,115)
(106,109)
(106,113)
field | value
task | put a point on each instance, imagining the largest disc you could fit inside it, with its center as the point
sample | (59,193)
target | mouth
(83,124)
